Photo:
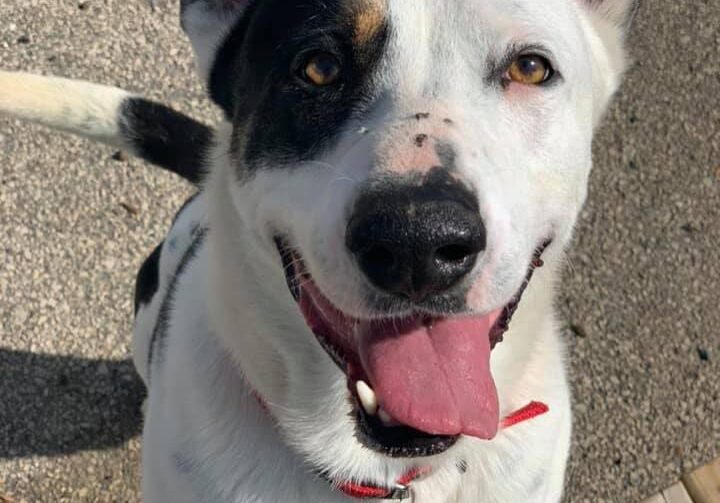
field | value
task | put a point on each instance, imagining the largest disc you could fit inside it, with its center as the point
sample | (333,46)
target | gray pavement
(640,296)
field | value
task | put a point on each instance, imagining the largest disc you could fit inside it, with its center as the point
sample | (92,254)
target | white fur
(73,106)
(207,24)
(234,329)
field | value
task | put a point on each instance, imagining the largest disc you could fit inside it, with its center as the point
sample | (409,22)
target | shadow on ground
(68,404)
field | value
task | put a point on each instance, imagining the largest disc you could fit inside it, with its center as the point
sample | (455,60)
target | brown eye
(322,70)
(530,70)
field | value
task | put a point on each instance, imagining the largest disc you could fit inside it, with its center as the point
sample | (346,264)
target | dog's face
(404,164)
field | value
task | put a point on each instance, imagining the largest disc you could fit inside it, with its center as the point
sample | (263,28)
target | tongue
(434,377)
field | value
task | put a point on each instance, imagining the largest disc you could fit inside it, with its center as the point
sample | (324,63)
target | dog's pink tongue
(436,377)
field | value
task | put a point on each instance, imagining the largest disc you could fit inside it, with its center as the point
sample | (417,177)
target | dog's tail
(110,115)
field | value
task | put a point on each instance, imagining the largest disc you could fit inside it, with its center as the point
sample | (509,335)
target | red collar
(401,490)
(530,411)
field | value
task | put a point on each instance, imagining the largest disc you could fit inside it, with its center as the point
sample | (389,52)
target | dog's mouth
(417,383)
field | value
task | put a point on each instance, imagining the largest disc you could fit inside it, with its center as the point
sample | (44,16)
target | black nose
(416,241)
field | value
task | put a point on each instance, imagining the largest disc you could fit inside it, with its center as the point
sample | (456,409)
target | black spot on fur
(166,138)
(420,140)
(446,153)
(422,115)
(182,464)
(147,280)
(462,466)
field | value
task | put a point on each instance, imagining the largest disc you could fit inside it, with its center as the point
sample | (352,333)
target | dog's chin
(416,382)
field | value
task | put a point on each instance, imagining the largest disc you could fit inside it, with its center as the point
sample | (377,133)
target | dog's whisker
(293,264)
(321,164)
(302,284)
(570,264)
(344,178)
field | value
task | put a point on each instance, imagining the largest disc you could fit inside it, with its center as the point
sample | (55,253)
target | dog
(358,301)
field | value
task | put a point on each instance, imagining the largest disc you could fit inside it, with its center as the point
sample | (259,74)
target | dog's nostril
(454,253)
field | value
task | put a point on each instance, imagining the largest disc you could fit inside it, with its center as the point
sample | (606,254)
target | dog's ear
(607,24)
(619,13)
(207,24)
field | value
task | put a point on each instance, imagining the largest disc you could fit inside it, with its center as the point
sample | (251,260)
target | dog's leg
(110,115)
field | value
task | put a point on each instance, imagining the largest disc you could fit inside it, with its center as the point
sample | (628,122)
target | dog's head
(397,168)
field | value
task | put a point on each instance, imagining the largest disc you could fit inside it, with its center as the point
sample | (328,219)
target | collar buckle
(400,492)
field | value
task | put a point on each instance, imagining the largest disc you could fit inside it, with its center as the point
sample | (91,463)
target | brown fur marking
(369,19)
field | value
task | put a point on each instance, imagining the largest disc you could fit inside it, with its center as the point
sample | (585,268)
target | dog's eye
(531,70)
(322,69)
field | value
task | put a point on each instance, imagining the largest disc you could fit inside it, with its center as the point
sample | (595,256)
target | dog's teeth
(385,418)
(367,396)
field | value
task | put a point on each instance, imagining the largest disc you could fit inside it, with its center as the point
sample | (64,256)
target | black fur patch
(148,279)
(257,77)
(166,138)
(224,72)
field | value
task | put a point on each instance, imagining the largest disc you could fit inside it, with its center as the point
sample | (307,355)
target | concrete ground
(640,296)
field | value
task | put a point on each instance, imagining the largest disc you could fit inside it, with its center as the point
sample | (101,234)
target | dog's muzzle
(418,382)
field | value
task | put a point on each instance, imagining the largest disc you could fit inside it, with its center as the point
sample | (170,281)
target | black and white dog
(325,319)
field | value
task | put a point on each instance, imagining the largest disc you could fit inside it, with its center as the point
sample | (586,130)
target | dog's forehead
(472,26)
(292,25)
(464,18)
(362,17)
(480,21)
(425,32)
(441,44)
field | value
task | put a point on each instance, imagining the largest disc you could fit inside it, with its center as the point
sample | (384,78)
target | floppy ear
(207,24)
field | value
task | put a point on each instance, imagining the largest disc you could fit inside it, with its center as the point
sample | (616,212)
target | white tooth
(385,417)
(367,396)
